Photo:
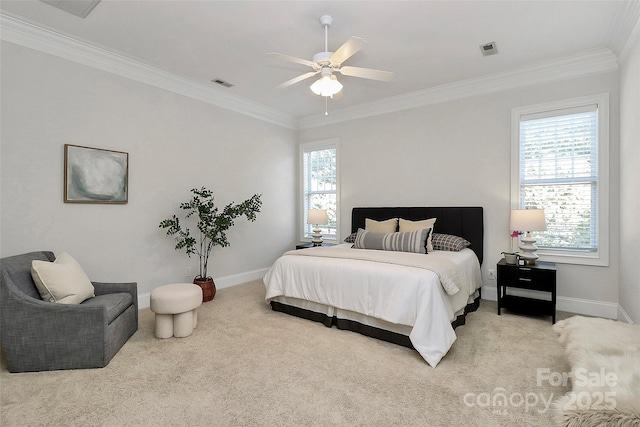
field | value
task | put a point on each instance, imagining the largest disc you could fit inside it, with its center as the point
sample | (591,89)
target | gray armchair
(37,335)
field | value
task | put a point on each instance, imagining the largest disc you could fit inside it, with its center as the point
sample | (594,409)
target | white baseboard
(623,316)
(144,300)
(607,310)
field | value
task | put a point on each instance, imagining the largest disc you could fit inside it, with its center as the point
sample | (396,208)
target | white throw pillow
(62,281)
(406,225)
(388,226)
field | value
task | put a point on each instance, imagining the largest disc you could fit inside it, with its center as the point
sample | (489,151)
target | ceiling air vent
(222,82)
(79,8)
(489,49)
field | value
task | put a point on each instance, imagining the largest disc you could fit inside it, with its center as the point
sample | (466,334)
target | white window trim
(318,145)
(600,257)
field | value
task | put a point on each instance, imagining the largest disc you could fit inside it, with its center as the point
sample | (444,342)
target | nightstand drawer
(526,277)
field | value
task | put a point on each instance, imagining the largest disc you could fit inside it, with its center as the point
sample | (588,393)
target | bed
(410,299)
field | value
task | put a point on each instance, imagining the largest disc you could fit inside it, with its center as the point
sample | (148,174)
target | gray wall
(458,153)
(453,153)
(174,143)
(630,181)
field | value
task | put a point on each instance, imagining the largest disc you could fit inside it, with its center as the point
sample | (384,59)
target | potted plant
(212,225)
(512,257)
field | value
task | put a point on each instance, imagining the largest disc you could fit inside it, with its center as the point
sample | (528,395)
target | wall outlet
(492,274)
(187,271)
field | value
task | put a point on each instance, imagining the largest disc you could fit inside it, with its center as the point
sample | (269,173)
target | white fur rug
(605,373)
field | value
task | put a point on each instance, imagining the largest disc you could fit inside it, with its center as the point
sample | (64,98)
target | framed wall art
(94,175)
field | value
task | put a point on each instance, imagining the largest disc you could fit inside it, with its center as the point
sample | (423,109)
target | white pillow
(61,281)
(406,225)
(388,226)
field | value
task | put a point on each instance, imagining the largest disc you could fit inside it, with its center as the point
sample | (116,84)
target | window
(560,164)
(319,166)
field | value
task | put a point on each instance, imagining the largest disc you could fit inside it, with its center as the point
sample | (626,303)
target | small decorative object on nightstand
(317,217)
(538,277)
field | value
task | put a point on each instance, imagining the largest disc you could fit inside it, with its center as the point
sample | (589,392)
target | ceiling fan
(326,63)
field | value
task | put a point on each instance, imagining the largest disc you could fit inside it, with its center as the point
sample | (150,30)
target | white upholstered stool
(175,308)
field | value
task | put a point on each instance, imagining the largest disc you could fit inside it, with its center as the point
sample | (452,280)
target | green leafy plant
(212,224)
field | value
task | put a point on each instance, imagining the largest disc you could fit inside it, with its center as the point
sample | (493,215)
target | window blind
(559,173)
(320,187)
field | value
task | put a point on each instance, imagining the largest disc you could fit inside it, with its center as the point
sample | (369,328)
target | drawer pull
(524,269)
(524,279)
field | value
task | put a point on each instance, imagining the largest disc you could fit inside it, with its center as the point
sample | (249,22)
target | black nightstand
(310,245)
(538,277)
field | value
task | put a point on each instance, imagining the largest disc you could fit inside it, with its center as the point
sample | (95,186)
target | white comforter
(406,295)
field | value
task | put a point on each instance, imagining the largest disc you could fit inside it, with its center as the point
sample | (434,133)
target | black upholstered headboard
(464,221)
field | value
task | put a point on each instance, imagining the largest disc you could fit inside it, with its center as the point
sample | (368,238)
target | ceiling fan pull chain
(326,105)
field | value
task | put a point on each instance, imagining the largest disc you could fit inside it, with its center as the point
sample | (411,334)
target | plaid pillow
(351,238)
(448,242)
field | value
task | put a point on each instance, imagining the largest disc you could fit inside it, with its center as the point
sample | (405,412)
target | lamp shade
(317,216)
(528,220)
(327,85)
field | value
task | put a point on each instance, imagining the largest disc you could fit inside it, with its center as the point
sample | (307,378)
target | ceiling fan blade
(347,50)
(367,73)
(297,79)
(293,59)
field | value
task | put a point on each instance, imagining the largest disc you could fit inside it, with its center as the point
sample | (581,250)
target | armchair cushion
(62,281)
(115,304)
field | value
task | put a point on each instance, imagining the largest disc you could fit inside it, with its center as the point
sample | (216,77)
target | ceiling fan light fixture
(327,85)
(327,63)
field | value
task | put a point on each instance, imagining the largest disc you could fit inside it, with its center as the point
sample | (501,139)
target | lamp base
(317,237)
(528,249)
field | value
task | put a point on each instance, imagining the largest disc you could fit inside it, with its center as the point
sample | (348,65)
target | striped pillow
(408,241)
(406,225)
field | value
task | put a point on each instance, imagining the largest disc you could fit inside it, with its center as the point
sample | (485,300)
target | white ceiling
(425,43)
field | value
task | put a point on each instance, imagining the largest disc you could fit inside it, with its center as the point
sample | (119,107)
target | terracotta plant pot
(208,287)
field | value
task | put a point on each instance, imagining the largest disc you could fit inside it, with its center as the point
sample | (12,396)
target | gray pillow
(408,241)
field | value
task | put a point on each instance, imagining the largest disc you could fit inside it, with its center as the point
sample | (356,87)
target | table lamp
(528,220)
(317,217)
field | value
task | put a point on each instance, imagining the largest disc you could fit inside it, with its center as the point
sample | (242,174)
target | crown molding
(29,35)
(598,61)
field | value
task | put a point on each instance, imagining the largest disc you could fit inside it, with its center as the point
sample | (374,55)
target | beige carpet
(248,366)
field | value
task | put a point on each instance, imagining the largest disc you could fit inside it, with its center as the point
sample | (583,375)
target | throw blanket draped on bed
(447,271)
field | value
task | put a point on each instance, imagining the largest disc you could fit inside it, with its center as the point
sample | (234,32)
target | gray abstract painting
(93,175)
